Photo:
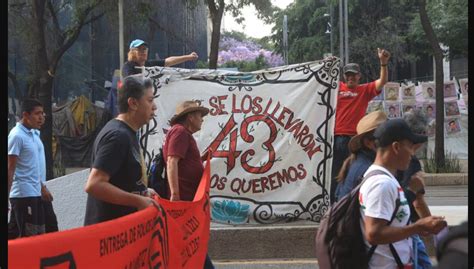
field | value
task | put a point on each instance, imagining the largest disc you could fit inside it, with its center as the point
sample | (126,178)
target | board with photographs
(408,92)
(392,109)
(428,90)
(450,90)
(391,91)
(452,126)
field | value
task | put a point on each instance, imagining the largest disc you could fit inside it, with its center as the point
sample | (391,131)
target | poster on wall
(451,108)
(408,106)
(428,89)
(392,109)
(271,132)
(430,109)
(391,91)
(374,106)
(452,126)
(450,90)
(408,92)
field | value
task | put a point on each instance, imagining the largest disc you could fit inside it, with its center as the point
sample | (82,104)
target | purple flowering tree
(246,55)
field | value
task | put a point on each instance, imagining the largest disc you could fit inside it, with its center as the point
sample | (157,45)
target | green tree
(449,21)
(307,40)
(37,26)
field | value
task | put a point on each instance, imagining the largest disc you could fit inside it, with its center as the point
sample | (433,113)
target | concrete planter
(446,179)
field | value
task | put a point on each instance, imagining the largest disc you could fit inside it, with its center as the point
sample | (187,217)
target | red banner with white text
(174,235)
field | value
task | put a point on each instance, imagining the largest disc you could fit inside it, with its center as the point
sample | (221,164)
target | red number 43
(231,154)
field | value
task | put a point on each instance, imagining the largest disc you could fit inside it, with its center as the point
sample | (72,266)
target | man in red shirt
(352,102)
(183,160)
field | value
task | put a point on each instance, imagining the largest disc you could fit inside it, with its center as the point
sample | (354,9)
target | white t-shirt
(377,198)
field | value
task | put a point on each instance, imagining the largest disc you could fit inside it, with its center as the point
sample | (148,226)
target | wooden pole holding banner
(121,47)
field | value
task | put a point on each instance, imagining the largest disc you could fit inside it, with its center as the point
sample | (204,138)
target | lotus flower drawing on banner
(231,212)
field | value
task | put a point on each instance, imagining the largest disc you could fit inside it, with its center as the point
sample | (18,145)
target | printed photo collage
(394,99)
(397,99)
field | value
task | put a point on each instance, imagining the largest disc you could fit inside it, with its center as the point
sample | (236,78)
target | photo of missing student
(428,90)
(430,110)
(452,126)
(407,107)
(451,109)
(408,92)
(374,106)
(450,90)
(392,109)
(391,91)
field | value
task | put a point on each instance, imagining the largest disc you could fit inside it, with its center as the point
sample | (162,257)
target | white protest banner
(271,132)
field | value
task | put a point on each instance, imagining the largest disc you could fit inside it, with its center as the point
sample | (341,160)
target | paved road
(449,195)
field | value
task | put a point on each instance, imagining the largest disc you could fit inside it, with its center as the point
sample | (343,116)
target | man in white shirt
(378,197)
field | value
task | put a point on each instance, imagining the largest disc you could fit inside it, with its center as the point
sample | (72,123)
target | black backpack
(158,179)
(340,241)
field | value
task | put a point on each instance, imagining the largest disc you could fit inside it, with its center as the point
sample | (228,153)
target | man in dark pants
(352,102)
(183,159)
(29,197)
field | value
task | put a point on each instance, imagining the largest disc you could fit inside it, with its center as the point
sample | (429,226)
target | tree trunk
(215,38)
(44,96)
(41,83)
(216,13)
(439,81)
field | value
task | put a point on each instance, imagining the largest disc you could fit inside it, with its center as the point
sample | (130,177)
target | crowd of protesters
(118,185)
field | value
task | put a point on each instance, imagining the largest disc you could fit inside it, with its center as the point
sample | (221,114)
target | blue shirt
(31,165)
(364,159)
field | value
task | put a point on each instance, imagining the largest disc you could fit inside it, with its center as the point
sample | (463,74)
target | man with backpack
(383,205)
(382,238)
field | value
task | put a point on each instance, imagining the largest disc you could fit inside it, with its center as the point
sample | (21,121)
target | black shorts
(27,217)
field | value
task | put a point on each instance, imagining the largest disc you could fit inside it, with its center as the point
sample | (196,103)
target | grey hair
(416,120)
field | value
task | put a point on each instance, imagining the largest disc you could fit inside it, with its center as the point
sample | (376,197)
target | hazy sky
(251,26)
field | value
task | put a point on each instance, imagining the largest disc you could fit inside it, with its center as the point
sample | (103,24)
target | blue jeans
(208,263)
(340,153)
(422,258)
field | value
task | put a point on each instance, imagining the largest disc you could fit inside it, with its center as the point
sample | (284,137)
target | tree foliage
(307,40)
(450,22)
(237,50)
(391,24)
(43,38)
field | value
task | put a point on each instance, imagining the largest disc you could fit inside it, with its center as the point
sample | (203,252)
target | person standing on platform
(352,102)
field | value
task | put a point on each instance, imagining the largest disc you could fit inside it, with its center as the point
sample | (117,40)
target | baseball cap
(137,43)
(351,68)
(396,130)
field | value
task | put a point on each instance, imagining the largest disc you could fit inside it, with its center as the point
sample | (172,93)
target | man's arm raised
(384,56)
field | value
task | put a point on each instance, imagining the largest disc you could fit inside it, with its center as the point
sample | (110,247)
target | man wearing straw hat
(183,159)
(184,166)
